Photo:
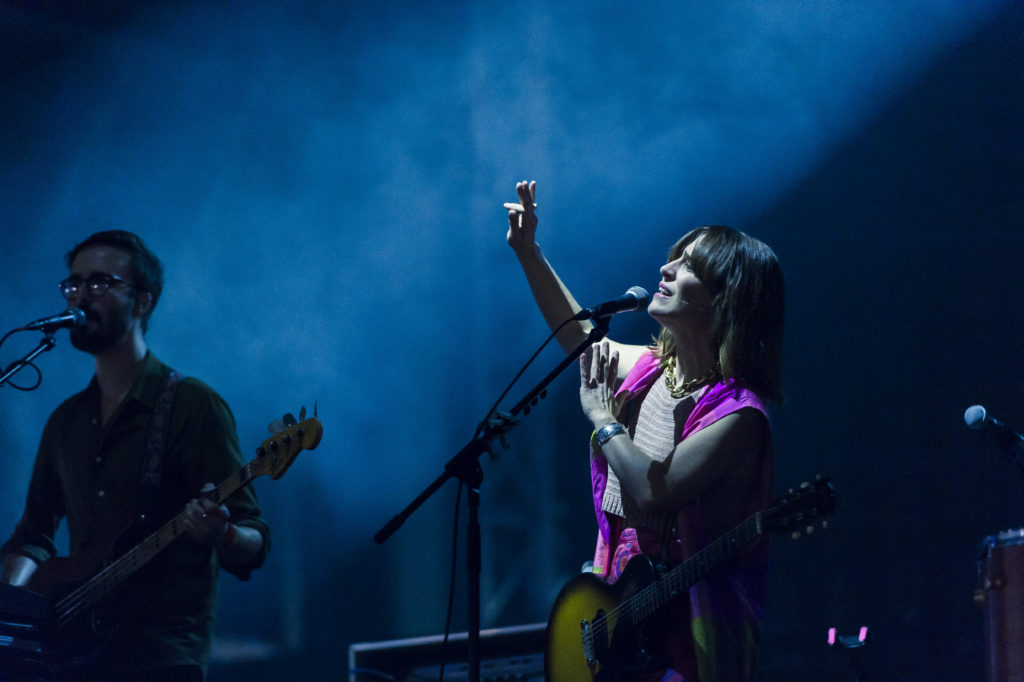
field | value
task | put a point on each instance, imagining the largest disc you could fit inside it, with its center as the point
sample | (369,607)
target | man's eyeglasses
(98,284)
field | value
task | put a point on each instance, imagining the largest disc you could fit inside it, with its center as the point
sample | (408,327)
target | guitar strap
(148,496)
(667,534)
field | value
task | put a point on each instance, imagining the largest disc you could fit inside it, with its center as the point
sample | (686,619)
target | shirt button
(101,493)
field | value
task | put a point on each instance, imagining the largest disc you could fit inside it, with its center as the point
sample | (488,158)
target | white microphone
(977,417)
(72,317)
(634,299)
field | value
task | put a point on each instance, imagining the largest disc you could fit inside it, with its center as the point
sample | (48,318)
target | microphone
(72,317)
(634,299)
(977,418)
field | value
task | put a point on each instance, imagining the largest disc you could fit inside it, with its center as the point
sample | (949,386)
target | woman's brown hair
(748,295)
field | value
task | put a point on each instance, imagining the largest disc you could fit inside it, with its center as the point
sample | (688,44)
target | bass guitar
(596,631)
(60,579)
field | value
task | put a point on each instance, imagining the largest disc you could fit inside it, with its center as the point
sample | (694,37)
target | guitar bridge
(587,633)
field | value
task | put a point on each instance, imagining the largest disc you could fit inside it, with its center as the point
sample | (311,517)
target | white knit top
(655,430)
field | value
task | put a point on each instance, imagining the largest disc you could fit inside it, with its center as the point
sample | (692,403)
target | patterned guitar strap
(148,497)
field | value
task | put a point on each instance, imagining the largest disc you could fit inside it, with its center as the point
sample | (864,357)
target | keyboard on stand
(22,617)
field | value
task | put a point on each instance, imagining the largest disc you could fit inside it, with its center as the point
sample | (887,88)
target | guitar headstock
(799,510)
(277,453)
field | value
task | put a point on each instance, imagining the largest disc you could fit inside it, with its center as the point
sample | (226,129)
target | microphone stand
(465,466)
(46,344)
(1012,445)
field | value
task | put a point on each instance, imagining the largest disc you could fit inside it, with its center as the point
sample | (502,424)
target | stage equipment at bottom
(1001,594)
(512,653)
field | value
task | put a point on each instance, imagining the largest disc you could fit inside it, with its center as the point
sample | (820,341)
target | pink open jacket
(725,610)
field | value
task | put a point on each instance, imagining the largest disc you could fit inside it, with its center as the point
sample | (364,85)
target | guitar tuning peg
(302,414)
(289,419)
(795,535)
(276,426)
(805,484)
(824,524)
(808,530)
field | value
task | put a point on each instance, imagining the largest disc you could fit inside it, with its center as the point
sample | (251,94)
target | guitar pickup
(587,633)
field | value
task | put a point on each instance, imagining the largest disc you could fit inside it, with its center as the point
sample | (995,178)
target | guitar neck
(670,585)
(104,582)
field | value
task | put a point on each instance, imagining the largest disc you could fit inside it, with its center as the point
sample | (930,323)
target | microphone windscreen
(642,297)
(974,417)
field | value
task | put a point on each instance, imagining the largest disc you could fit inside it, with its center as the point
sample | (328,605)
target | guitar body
(616,646)
(84,641)
(598,632)
(60,574)
(83,638)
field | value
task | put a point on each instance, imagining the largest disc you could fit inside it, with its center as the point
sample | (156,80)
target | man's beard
(99,334)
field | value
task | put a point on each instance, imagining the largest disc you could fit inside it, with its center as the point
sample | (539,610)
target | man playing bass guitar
(129,452)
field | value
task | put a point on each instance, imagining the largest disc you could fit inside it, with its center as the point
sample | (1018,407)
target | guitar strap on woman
(668,534)
(148,496)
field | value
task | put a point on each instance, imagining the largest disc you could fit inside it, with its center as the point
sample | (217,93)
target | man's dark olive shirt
(90,474)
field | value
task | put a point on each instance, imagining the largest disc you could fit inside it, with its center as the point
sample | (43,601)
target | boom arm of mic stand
(467,454)
(599,331)
(466,459)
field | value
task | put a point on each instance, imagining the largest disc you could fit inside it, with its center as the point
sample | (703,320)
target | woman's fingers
(613,369)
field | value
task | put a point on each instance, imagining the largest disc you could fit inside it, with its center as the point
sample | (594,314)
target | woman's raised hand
(522,220)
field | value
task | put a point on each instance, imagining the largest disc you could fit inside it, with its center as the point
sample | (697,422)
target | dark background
(324,181)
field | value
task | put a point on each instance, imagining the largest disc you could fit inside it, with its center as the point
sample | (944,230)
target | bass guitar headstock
(277,453)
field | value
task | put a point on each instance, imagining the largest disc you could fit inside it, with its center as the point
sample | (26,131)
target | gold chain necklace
(687,387)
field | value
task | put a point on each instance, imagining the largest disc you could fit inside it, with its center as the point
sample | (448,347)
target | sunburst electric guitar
(57,576)
(596,631)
